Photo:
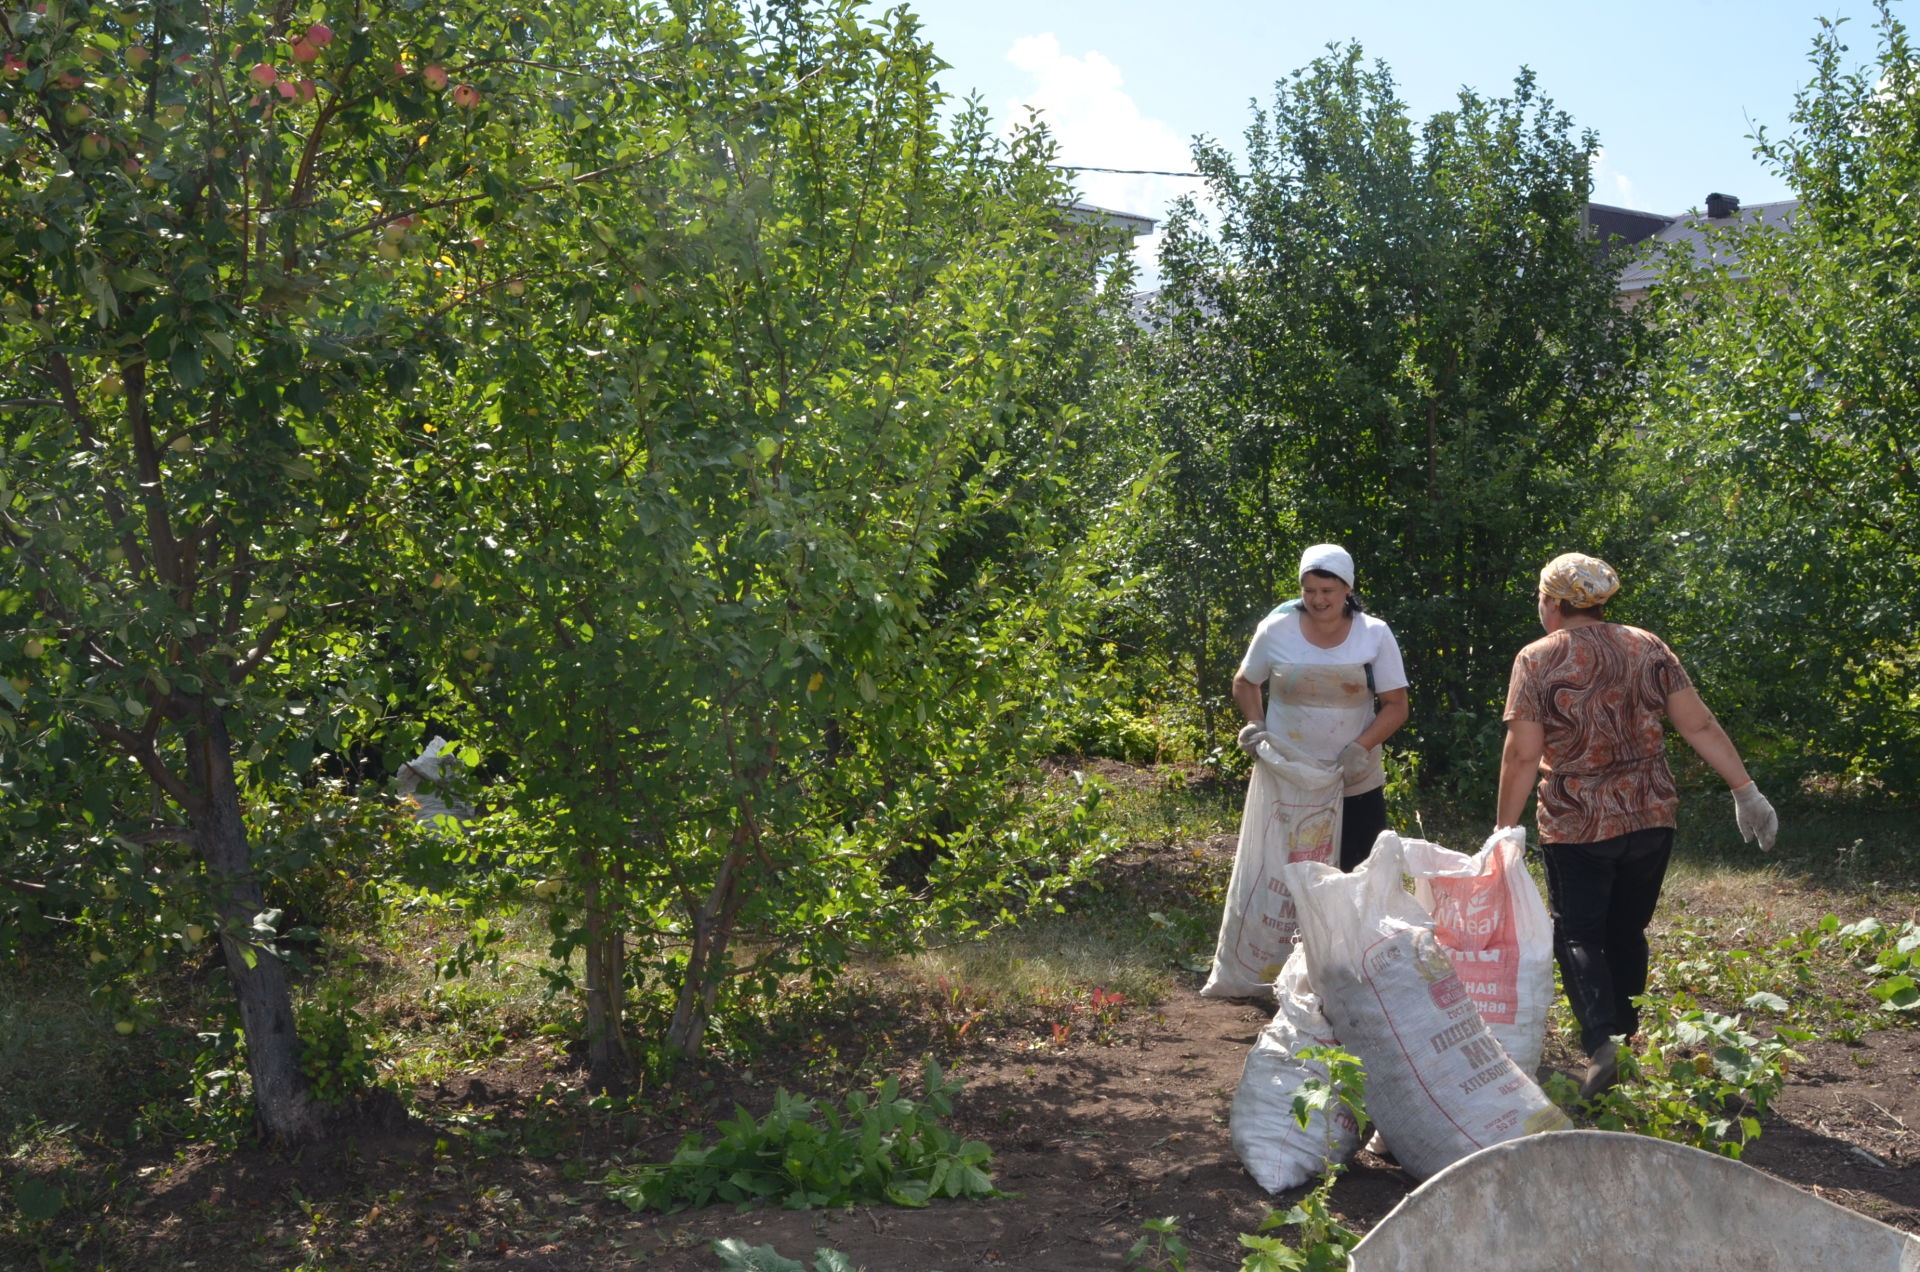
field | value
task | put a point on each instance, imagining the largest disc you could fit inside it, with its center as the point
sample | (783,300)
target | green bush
(802,1156)
(1111,730)
(333,1050)
(1700,1080)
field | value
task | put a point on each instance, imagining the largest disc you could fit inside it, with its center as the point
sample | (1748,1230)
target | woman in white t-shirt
(1324,662)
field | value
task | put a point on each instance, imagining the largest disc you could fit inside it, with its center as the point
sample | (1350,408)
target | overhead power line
(1127,172)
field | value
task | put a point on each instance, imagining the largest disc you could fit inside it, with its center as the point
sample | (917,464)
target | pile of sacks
(1441,993)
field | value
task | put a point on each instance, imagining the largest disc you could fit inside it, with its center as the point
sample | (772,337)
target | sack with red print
(1292,814)
(1488,916)
(1275,1148)
(1439,1084)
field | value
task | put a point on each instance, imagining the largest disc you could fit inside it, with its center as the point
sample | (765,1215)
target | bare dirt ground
(1090,1139)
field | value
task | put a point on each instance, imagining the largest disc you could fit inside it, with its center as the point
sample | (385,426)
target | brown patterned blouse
(1599,692)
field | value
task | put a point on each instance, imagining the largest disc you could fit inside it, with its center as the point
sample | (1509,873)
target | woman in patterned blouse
(1584,708)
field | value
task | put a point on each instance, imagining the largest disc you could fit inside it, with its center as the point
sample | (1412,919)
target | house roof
(1619,230)
(1688,231)
(1082,213)
(1608,223)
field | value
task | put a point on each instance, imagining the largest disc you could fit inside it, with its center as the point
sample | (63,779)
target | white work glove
(1249,736)
(1355,762)
(1755,817)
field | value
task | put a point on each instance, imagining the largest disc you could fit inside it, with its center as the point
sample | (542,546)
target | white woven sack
(1276,1150)
(1292,814)
(1439,1085)
(1488,916)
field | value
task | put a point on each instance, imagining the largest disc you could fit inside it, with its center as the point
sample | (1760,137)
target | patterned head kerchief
(1583,580)
(1332,558)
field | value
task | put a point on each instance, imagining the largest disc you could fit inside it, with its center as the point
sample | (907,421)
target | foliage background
(1396,338)
(725,440)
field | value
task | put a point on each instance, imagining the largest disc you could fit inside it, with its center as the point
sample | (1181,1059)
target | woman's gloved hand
(1355,762)
(1248,733)
(1754,816)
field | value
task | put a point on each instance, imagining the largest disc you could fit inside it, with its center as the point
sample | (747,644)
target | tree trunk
(712,930)
(609,1063)
(1205,691)
(284,1107)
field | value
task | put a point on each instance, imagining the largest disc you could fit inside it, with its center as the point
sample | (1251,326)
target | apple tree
(1393,335)
(761,586)
(1781,498)
(233,240)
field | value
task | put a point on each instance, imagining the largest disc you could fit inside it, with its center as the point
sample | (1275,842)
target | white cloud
(1610,186)
(1084,104)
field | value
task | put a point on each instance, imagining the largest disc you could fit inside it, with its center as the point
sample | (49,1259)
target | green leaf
(1900,993)
(134,279)
(38,1201)
(184,365)
(908,1192)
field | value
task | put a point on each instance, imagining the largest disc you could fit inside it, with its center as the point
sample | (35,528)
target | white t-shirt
(1318,698)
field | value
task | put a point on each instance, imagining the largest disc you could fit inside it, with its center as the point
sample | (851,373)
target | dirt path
(1091,1139)
(1097,1140)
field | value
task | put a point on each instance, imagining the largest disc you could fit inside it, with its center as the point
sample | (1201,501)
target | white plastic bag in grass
(1292,814)
(1439,1084)
(430,770)
(1488,916)
(1276,1150)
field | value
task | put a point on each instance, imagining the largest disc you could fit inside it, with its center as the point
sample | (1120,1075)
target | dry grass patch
(1048,961)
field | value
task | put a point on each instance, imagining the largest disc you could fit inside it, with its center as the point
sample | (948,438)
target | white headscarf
(1330,557)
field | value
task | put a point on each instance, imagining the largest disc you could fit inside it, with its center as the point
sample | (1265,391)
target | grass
(68,1077)
(1848,861)
(58,1052)
(1171,804)
(427,1027)
(1052,959)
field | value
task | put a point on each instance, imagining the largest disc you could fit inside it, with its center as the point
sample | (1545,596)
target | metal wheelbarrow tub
(1604,1201)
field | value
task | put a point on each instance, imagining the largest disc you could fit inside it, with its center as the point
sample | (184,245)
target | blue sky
(1673,89)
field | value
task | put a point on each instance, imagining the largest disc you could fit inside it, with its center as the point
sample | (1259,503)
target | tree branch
(141,751)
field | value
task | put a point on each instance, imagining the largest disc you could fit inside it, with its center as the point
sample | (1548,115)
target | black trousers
(1362,818)
(1602,896)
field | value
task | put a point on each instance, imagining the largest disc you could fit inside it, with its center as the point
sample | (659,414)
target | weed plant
(803,1156)
(1160,1248)
(1700,1079)
(1827,979)
(1888,957)
(1320,1240)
